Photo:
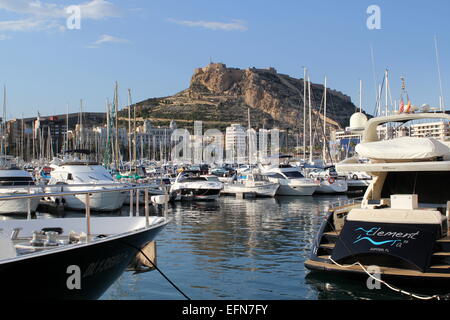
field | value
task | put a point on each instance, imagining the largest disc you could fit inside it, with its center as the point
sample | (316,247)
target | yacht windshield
(293,174)
(193,179)
(87,177)
(274,175)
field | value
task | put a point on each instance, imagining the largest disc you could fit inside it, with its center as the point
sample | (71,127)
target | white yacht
(332,186)
(401,225)
(328,179)
(14,181)
(48,253)
(252,182)
(191,185)
(81,176)
(292,182)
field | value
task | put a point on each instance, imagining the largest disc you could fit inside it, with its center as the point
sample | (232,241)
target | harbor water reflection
(237,249)
(234,249)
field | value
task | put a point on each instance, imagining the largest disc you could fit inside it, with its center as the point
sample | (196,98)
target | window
(293,174)
(431,187)
(193,179)
(274,175)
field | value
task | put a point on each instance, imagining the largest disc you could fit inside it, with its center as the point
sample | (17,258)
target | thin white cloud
(99,9)
(25,25)
(40,16)
(106,38)
(4,37)
(234,25)
(34,8)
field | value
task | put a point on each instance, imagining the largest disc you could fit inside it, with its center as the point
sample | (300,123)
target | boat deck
(326,266)
(439,267)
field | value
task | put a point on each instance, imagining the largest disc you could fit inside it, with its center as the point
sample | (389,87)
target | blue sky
(153,47)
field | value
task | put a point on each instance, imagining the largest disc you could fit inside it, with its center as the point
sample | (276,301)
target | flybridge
(428,166)
(371,134)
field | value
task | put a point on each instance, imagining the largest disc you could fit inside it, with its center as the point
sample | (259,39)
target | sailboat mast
(310,123)
(22,140)
(129,130)
(325,122)
(386,92)
(116,111)
(107,159)
(81,124)
(66,143)
(4,122)
(134,131)
(304,113)
(142,149)
(441,99)
(33,140)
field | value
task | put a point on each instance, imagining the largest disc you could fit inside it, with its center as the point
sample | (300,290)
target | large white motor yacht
(191,185)
(402,224)
(292,182)
(252,182)
(327,177)
(14,181)
(84,176)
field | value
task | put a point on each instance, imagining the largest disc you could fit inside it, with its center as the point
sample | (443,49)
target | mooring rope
(412,295)
(159,270)
(391,287)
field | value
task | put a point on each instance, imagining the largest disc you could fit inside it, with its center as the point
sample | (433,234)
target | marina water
(238,249)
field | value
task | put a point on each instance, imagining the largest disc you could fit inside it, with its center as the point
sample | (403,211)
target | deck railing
(28,197)
(344,203)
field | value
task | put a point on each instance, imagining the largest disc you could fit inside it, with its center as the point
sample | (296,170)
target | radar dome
(358,120)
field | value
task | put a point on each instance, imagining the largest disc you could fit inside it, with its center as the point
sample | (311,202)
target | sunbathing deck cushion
(405,148)
(397,216)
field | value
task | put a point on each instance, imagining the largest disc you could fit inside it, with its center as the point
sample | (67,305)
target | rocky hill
(219,96)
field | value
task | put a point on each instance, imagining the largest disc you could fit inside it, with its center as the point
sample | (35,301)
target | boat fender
(7,249)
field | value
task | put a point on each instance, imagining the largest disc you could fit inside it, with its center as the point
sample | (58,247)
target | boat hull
(268,190)
(296,190)
(50,276)
(18,206)
(198,194)
(402,252)
(108,201)
(338,187)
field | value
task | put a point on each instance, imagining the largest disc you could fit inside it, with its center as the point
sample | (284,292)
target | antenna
(360,95)
(324,155)
(4,122)
(386,90)
(374,75)
(441,99)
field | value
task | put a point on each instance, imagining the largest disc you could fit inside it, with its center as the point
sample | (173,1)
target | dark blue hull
(84,272)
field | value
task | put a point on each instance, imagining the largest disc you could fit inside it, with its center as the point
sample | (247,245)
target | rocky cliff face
(219,96)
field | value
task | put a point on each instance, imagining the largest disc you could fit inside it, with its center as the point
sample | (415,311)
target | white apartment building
(438,130)
(235,143)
